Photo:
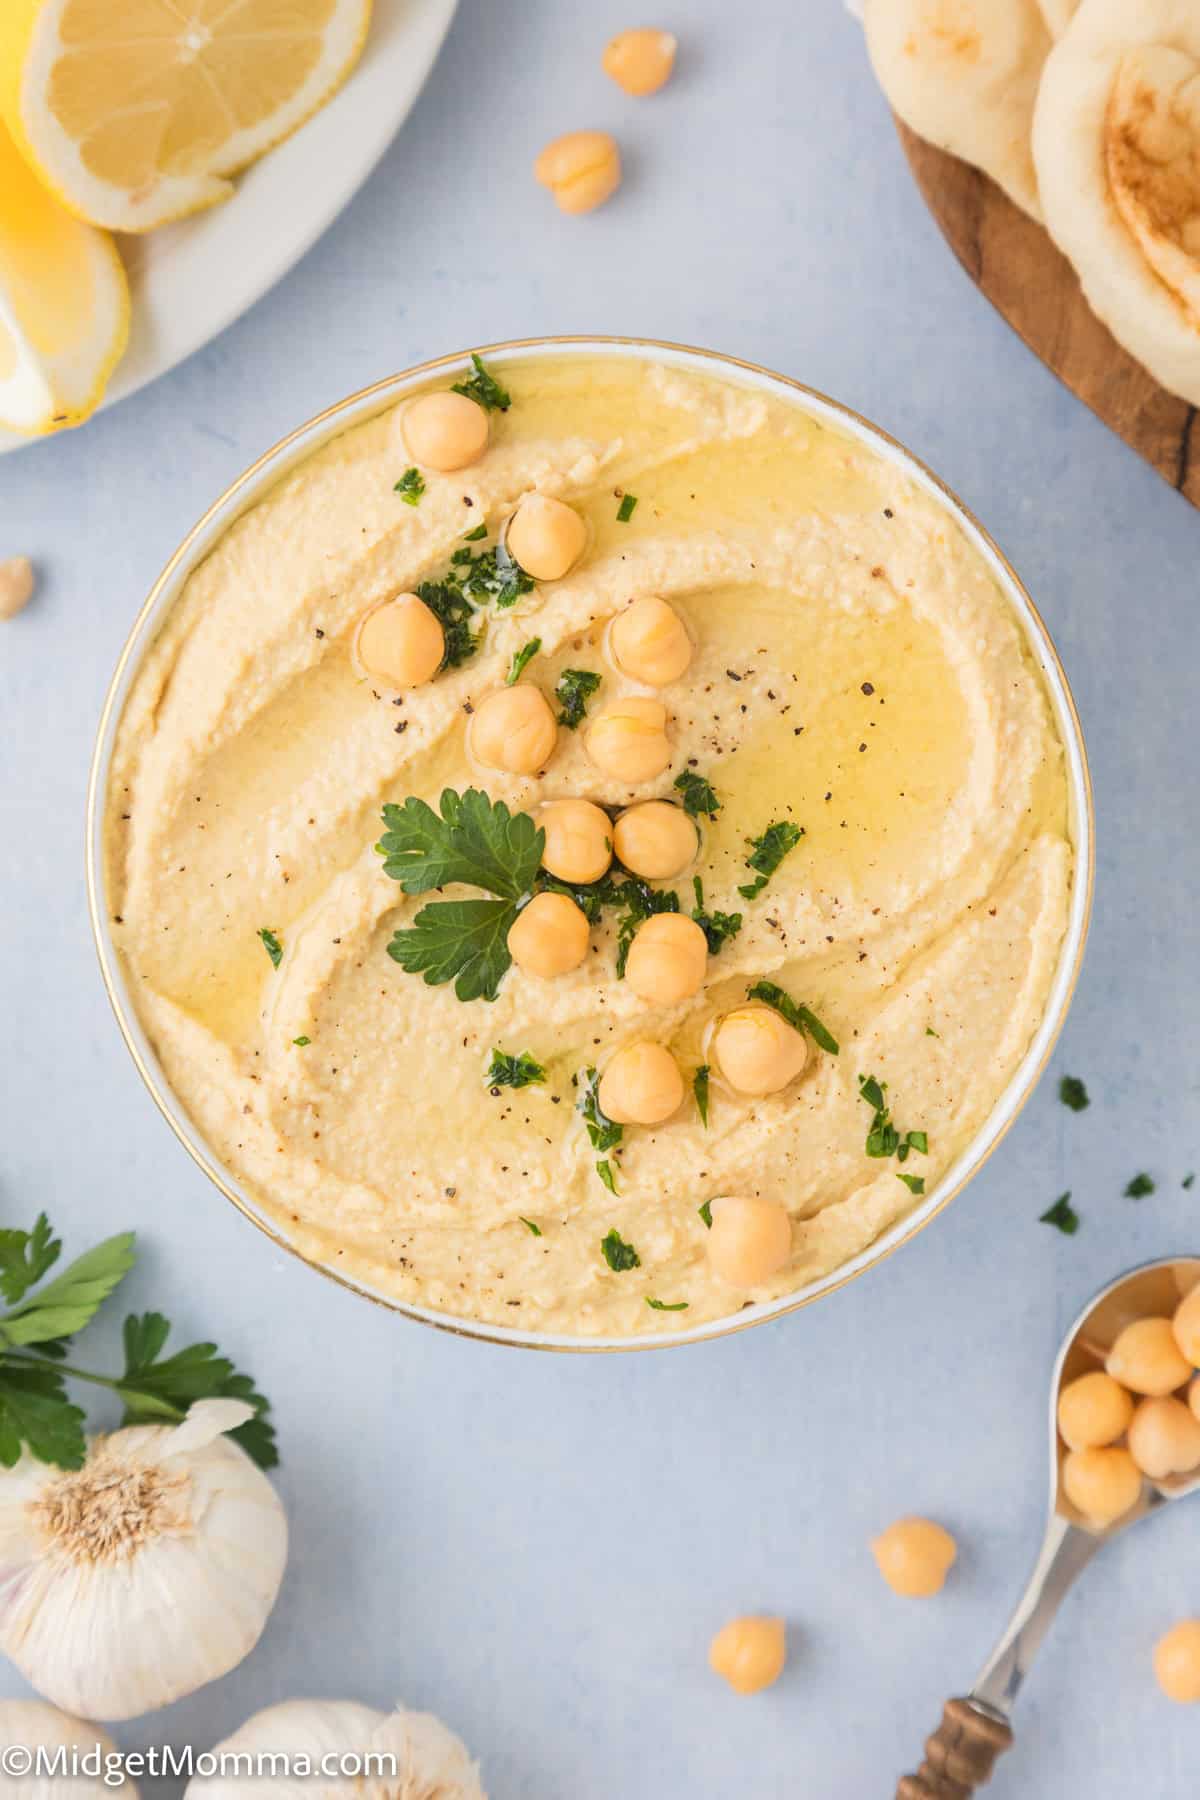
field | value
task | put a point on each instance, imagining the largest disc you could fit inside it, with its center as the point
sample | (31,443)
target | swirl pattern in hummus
(856,671)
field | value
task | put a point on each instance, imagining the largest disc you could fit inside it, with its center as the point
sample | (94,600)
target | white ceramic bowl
(250,487)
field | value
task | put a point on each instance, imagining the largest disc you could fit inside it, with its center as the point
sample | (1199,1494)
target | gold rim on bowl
(297,445)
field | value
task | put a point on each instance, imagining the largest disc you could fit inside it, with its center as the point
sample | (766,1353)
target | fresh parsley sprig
(483,388)
(35,1409)
(767,851)
(800,1018)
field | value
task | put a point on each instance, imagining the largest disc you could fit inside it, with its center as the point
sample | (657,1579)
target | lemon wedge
(64,305)
(134,112)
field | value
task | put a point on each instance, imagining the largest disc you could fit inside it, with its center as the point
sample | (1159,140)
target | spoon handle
(960,1755)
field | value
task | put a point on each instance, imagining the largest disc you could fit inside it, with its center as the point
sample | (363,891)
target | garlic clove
(430,1762)
(33,1724)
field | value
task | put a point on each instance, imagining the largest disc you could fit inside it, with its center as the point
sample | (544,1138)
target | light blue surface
(539,1547)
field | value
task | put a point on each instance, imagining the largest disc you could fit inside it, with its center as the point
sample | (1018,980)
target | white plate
(193,279)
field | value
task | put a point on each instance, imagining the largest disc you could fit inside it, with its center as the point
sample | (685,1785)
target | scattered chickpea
(914,1557)
(649,642)
(1164,1438)
(400,643)
(546,536)
(655,840)
(1177,1662)
(640,61)
(628,740)
(514,729)
(1186,1326)
(1102,1484)
(16,585)
(1147,1358)
(579,839)
(549,937)
(749,1653)
(581,169)
(642,1086)
(667,959)
(756,1051)
(1093,1410)
(445,431)
(749,1240)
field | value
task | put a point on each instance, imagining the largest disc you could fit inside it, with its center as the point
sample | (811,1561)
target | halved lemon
(64,305)
(138,111)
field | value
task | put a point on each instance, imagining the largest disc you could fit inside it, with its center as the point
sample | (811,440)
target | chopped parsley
(573,690)
(700,1090)
(767,852)
(514,1071)
(271,945)
(625,510)
(883,1138)
(483,388)
(800,1018)
(1062,1216)
(489,576)
(521,658)
(1139,1187)
(473,537)
(699,796)
(1188,1181)
(529,1225)
(410,486)
(618,1254)
(604,1133)
(303,1042)
(667,1305)
(914,1183)
(930,1032)
(476,841)
(1072,1093)
(718,927)
(453,612)
(705,1212)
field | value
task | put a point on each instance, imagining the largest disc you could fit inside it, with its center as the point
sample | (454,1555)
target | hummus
(856,672)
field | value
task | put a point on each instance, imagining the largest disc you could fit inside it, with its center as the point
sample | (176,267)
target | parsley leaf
(718,927)
(491,576)
(574,689)
(483,388)
(1189,1181)
(529,1225)
(1062,1216)
(705,1212)
(914,1183)
(463,941)
(604,1133)
(410,486)
(699,796)
(25,1256)
(767,852)
(1139,1187)
(471,839)
(66,1304)
(271,945)
(155,1390)
(514,1071)
(667,1305)
(618,1254)
(800,1018)
(626,509)
(35,1411)
(700,1090)
(453,612)
(1072,1093)
(520,658)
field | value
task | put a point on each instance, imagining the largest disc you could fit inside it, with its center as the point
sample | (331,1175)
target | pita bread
(1117,147)
(964,74)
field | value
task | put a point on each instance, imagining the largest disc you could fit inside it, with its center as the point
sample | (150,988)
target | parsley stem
(34,1361)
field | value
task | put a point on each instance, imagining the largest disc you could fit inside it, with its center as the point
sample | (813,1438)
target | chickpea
(16,585)
(1102,1484)
(628,741)
(400,643)
(667,959)
(514,729)
(1194,1396)
(582,170)
(750,1240)
(640,61)
(1164,1438)
(548,937)
(749,1653)
(655,840)
(546,536)
(642,1086)
(1093,1410)
(1186,1326)
(1177,1662)
(649,643)
(1147,1358)
(914,1557)
(579,839)
(758,1052)
(445,431)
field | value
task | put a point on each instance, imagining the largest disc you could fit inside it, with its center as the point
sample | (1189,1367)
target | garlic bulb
(30,1725)
(143,1575)
(430,1763)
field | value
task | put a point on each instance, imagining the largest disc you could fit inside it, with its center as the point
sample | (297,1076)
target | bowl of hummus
(589,844)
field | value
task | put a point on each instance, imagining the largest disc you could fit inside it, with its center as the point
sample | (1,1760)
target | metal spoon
(975,1729)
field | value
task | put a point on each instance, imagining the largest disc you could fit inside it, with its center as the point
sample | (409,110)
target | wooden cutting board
(1034,287)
